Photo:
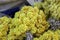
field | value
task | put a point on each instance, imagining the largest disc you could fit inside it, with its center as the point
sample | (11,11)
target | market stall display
(38,22)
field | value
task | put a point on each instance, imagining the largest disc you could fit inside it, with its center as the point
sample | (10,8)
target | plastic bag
(33,1)
(1,15)
(29,36)
(8,4)
(6,1)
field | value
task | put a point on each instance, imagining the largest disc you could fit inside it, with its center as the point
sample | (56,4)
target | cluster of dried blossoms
(41,22)
(28,19)
(49,35)
(51,8)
